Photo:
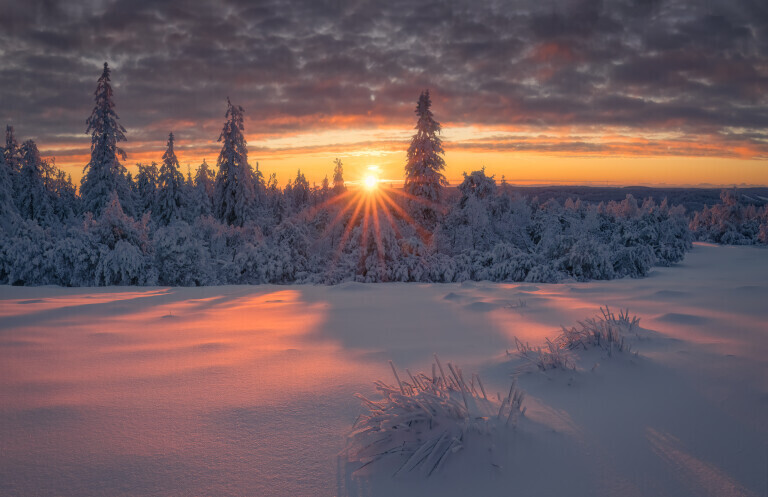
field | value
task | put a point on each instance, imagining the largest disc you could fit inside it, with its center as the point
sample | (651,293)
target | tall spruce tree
(202,193)
(34,200)
(338,177)
(8,211)
(146,187)
(235,188)
(300,192)
(424,179)
(12,158)
(170,194)
(104,173)
(12,151)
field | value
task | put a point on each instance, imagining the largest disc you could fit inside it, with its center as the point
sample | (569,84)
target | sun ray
(348,230)
(423,234)
(385,210)
(341,212)
(366,219)
(377,233)
(371,204)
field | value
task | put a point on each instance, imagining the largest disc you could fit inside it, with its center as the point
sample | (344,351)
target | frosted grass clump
(606,331)
(552,356)
(426,418)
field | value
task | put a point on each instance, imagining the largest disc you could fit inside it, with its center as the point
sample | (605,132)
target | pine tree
(12,151)
(301,192)
(34,201)
(424,179)
(64,195)
(8,211)
(235,189)
(202,197)
(170,195)
(325,190)
(104,172)
(260,186)
(146,187)
(338,178)
(275,200)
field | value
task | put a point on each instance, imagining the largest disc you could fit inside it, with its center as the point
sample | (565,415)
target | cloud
(692,67)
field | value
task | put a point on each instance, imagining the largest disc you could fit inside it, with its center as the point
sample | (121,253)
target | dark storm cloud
(688,66)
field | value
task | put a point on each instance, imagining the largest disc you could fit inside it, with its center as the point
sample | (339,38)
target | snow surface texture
(251,390)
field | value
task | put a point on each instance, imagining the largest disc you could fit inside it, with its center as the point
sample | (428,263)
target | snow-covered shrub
(633,261)
(23,258)
(124,247)
(732,222)
(74,258)
(588,259)
(420,421)
(125,264)
(763,234)
(441,268)
(180,257)
(545,272)
(291,252)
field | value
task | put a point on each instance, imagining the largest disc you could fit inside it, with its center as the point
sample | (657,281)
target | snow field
(245,390)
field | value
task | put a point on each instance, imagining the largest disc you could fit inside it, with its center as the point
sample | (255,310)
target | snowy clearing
(250,390)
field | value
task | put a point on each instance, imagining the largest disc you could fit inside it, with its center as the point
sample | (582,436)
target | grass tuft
(423,419)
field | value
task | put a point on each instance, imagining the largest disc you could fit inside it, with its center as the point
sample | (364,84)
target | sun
(370,182)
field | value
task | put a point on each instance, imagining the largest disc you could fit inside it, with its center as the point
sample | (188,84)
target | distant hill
(694,199)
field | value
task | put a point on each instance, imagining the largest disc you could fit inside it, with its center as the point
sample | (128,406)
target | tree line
(228,224)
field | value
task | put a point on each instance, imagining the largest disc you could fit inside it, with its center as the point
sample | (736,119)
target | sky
(620,92)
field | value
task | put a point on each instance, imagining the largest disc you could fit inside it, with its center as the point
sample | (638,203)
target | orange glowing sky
(521,157)
(633,92)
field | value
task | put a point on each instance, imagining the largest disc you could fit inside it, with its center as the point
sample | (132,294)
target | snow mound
(482,306)
(421,422)
(682,318)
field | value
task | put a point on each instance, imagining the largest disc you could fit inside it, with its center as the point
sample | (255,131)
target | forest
(228,224)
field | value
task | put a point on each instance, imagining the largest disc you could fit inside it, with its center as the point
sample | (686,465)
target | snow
(250,390)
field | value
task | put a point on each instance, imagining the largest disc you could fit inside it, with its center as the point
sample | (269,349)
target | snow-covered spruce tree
(170,195)
(300,192)
(34,200)
(260,187)
(275,200)
(338,177)
(8,213)
(424,179)
(104,173)
(146,187)
(235,188)
(12,159)
(323,193)
(469,225)
(12,151)
(202,191)
(65,200)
